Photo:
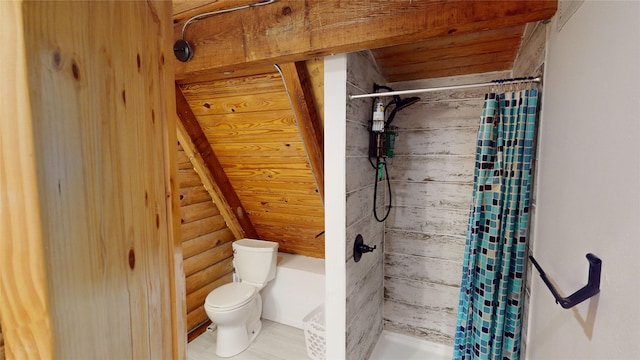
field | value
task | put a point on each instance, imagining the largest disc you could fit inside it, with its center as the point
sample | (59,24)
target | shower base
(392,346)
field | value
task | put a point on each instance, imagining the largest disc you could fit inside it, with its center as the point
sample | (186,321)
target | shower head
(399,105)
(406,102)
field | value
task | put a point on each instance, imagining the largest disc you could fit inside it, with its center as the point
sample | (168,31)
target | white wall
(588,195)
(335,139)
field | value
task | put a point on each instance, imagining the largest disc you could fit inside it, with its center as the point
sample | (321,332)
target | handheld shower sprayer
(382,139)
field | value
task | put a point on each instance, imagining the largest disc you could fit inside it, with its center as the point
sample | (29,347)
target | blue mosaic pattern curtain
(492,291)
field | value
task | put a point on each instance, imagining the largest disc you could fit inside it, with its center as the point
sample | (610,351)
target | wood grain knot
(451,31)
(57,60)
(124,97)
(138,59)
(286,11)
(75,70)
(158,221)
(132,259)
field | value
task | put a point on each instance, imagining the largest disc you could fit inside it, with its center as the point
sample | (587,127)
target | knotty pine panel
(282,136)
(88,101)
(275,219)
(2,355)
(240,104)
(251,120)
(257,84)
(285,203)
(284,208)
(279,190)
(267,149)
(250,126)
(270,174)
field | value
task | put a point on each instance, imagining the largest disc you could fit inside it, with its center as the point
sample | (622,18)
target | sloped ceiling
(253,131)
(267,145)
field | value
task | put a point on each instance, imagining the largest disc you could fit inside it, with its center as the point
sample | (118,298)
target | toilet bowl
(236,307)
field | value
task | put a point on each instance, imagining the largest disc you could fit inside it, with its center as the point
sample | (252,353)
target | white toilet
(236,307)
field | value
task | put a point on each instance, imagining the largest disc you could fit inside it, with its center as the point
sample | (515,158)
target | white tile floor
(275,342)
(281,342)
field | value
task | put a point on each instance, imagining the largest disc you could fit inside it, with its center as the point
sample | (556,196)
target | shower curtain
(492,290)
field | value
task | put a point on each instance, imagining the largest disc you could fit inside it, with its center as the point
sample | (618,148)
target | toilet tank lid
(256,245)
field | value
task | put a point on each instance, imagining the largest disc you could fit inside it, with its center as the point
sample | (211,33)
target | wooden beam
(293,30)
(206,163)
(24,299)
(298,86)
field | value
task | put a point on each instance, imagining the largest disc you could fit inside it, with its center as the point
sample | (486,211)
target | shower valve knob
(359,248)
(366,248)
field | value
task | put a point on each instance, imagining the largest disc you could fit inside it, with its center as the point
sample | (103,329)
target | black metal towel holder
(591,289)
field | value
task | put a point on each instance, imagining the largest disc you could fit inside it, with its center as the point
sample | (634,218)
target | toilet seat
(230,297)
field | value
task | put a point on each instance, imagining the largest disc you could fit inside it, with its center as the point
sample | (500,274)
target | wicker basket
(314,333)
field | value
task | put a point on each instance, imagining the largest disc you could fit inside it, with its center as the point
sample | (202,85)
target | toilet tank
(255,260)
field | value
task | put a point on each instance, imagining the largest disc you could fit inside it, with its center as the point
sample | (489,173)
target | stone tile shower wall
(432,177)
(364,279)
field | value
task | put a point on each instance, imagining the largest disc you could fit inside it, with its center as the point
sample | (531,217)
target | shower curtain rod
(454,87)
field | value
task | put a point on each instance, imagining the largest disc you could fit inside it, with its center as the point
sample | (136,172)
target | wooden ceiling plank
(278,136)
(275,188)
(292,30)
(458,63)
(475,69)
(254,120)
(240,104)
(267,175)
(431,44)
(213,176)
(426,56)
(267,149)
(297,83)
(263,83)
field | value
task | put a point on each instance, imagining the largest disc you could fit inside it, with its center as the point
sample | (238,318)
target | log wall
(206,242)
